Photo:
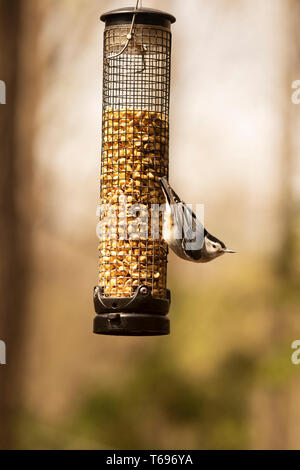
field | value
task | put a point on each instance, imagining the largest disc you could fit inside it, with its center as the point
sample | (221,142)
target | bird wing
(170,195)
(190,230)
(194,232)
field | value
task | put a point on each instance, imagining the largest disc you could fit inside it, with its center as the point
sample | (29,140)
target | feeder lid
(143,16)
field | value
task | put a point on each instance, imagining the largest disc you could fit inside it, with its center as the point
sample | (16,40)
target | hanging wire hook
(130,34)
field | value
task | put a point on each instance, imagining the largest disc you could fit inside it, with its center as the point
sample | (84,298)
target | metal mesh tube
(135,154)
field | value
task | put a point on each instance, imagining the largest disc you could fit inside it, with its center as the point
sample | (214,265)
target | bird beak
(228,251)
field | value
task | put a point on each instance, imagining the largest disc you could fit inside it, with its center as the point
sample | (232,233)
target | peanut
(135,155)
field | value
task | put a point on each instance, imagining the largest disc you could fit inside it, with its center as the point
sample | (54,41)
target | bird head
(214,247)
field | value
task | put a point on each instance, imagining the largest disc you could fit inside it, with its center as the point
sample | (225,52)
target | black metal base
(131,324)
(140,315)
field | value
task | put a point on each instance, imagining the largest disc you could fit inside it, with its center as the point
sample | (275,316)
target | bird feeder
(132,298)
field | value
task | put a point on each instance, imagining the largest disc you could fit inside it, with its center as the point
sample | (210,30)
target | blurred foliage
(157,407)
(159,403)
(211,412)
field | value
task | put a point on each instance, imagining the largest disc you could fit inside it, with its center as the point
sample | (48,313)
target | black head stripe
(215,240)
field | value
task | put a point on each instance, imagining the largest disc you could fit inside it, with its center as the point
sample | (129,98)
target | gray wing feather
(194,231)
(188,229)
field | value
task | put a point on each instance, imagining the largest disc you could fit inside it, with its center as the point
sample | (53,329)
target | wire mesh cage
(132,296)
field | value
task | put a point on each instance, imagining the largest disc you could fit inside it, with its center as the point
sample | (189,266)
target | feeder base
(131,324)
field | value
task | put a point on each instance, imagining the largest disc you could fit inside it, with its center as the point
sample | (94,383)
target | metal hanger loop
(131,32)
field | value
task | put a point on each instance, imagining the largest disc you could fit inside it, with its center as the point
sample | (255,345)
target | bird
(184,233)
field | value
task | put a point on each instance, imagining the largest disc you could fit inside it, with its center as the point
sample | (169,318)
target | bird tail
(169,193)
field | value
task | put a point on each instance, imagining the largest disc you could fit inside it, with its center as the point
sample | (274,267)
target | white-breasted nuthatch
(185,234)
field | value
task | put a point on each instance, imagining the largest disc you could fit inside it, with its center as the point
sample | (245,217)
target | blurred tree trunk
(287,248)
(19,20)
(287,208)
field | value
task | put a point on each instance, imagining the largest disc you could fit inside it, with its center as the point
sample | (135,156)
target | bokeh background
(224,378)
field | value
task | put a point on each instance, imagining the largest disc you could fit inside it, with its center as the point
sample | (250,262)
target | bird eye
(214,246)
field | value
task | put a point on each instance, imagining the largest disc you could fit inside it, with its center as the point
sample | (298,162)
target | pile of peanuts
(135,156)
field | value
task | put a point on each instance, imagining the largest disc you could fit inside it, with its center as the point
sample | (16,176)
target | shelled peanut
(135,156)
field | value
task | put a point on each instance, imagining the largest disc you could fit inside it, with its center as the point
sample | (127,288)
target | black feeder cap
(143,16)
